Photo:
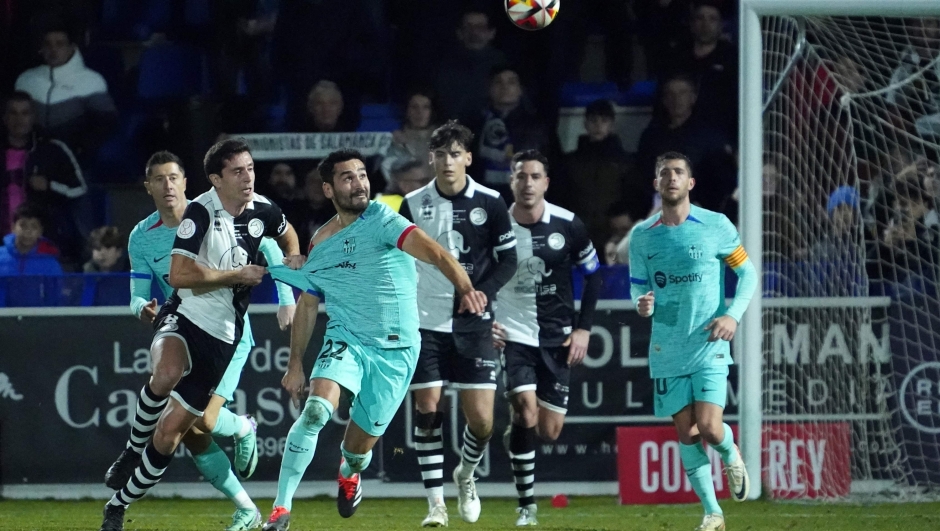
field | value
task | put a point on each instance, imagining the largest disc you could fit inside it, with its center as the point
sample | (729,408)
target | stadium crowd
(114,81)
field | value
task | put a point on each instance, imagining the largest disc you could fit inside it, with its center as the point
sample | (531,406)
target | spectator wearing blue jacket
(25,251)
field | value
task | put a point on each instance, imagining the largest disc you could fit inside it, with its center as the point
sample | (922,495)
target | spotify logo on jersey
(660,279)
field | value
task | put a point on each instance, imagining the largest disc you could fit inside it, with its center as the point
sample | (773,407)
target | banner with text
(292,146)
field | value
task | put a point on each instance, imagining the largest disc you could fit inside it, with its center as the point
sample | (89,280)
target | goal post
(751,347)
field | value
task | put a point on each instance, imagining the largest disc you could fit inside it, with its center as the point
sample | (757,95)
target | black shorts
(208,355)
(541,369)
(465,360)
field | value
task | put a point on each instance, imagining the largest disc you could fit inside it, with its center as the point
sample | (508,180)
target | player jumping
(677,262)
(362,263)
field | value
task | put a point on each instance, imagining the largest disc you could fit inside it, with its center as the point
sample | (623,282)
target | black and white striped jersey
(474,226)
(216,240)
(536,306)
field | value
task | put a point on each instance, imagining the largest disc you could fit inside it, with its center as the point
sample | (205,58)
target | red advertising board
(807,460)
(800,461)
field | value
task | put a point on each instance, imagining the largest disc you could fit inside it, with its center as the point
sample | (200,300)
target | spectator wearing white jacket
(72,101)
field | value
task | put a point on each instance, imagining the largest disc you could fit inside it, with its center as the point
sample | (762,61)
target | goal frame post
(748,348)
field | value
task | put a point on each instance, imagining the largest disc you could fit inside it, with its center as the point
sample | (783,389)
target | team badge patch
(478,216)
(695,252)
(427,208)
(556,241)
(256,228)
(186,229)
(349,245)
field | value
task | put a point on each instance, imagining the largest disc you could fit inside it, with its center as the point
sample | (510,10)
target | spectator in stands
(339,40)
(72,100)
(713,63)
(463,80)
(240,45)
(908,240)
(40,170)
(620,219)
(325,111)
(407,177)
(107,251)
(709,149)
(840,242)
(919,102)
(25,251)
(661,25)
(315,212)
(281,186)
(411,141)
(504,127)
(596,174)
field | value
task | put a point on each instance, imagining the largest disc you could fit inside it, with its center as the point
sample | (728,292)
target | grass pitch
(589,513)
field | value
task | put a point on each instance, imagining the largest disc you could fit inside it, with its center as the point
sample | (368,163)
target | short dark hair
(56,23)
(17,95)
(29,211)
(162,157)
(714,4)
(106,237)
(451,132)
(221,152)
(602,107)
(672,155)
(327,165)
(529,154)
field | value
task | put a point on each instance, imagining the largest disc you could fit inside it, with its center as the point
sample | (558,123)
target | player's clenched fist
(644,305)
(251,275)
(474,302)
(722,328)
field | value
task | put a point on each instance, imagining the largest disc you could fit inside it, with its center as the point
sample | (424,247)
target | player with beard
(362,263)
(677,264)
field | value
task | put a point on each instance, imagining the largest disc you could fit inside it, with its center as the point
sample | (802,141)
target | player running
(361,264)
(677,263)
(542,333)
(472,222)
(148,248)
(212,268)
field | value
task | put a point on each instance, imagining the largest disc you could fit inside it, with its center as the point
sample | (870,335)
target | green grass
(392,515)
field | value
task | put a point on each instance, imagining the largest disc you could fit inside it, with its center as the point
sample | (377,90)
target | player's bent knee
(317,412)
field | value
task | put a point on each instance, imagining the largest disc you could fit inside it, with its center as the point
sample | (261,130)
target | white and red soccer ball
(532,14)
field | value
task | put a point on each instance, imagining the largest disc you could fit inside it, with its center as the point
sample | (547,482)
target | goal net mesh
(851,376)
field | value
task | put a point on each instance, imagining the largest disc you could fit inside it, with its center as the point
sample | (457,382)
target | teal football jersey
(684,267)
(368,283)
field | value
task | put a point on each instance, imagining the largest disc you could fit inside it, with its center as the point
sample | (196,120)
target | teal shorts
(226,387)
(376,378)
(671,395)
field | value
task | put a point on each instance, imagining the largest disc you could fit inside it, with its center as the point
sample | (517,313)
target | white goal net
(851,322)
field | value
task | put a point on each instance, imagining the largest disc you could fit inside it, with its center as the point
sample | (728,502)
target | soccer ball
(532,14)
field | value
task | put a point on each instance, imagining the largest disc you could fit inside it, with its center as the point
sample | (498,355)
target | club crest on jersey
(256,228)
(349,245)
(478,216)
(556,241)
(187,229)
(427,208)
(695,252)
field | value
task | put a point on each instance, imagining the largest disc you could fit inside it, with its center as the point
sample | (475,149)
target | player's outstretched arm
(185,273)
(419,245)
(305,319)
(285,295)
